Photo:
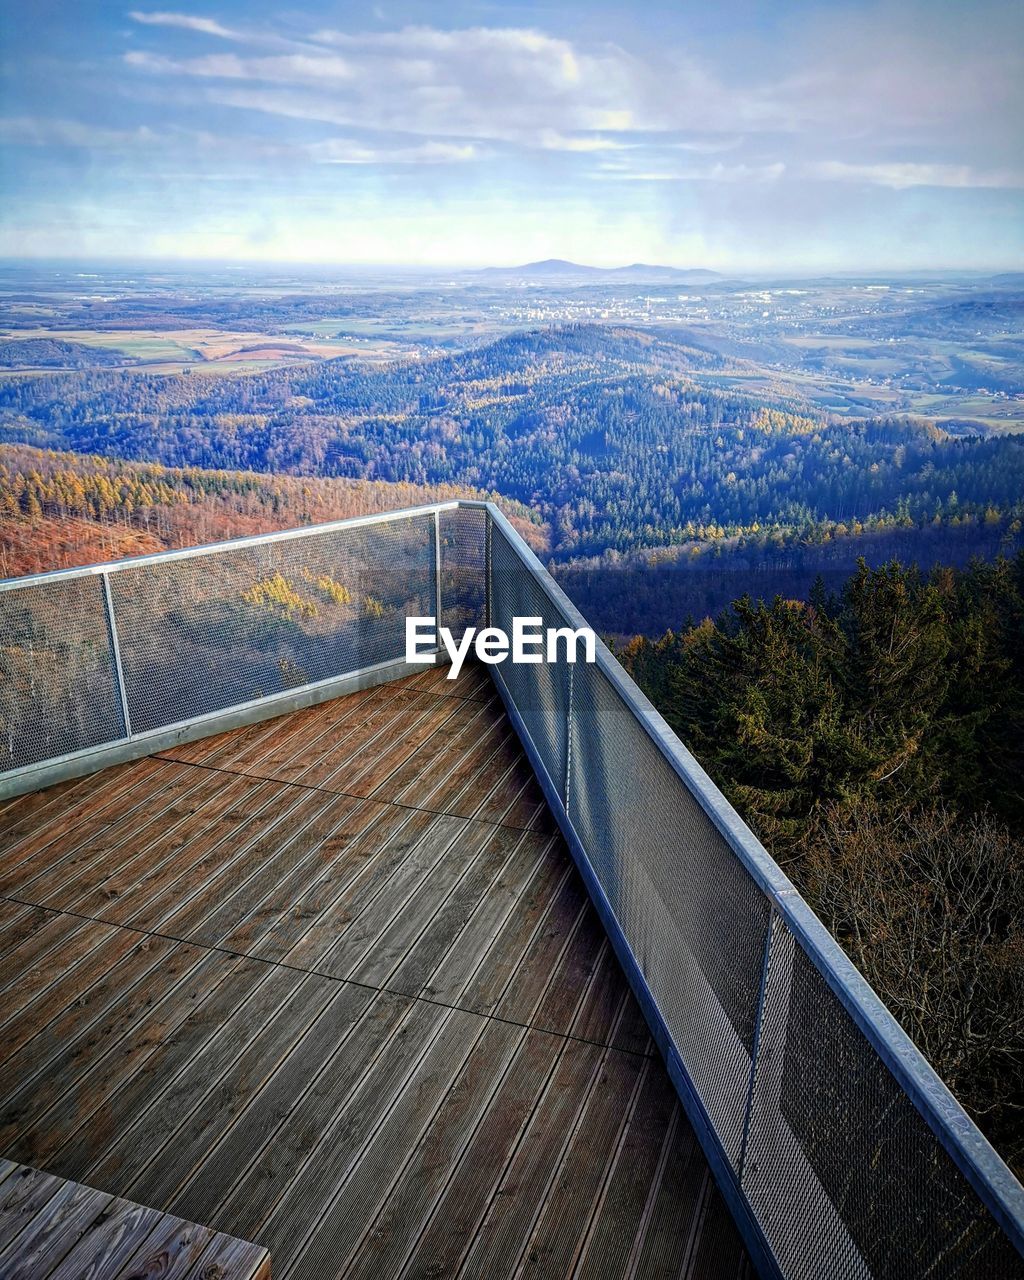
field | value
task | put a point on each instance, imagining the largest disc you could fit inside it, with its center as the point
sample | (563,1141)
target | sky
(800,135)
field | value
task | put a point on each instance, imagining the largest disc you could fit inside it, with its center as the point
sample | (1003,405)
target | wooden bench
(53,1229)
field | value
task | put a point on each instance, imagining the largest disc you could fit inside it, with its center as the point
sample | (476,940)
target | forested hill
(617,437)
(63,509)
(874,738)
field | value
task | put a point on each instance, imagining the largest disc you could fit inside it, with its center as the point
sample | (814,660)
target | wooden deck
(332,984)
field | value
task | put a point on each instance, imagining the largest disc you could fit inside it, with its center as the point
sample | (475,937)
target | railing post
(488,534)
(437,569)
(755,1056)
(568,734)
(115,647)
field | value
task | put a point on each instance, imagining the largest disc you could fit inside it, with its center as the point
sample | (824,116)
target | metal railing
(838,1149)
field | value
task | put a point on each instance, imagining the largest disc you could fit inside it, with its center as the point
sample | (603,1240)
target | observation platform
(395,976)
(331,983)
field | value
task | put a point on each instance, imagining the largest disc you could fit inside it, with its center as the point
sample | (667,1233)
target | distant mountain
(560,269)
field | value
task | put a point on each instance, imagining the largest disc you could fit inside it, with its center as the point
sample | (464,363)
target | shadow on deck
(332,984)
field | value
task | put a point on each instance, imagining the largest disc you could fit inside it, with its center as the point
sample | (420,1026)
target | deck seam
(332,791)
(368,986)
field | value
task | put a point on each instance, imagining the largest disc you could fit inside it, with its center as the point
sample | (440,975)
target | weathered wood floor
(332,984)
(52,1229)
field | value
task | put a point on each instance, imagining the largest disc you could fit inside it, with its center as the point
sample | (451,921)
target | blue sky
(795,135)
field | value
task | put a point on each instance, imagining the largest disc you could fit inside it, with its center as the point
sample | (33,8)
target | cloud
(725,173)
(900,176)
(489,83)
(290,68)
(204,26)
(348,151)
(552,140)
(33,131)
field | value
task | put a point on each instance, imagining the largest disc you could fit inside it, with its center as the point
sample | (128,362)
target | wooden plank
(119,883)
(440,783)
(233,1260)
(296,740)
(26,813)
(435,758)
(346,863)
(108,1243)
(291,880)
(618,1227)
(354,1128)
(384,1200)
(138,1110)
(676,1203)
(52,1232)
(482,988)
(718,1250)
(35,1041)
(361,776)
(152,1009)
(372,1154)
(226,750)
(24,1193)
(206,865)
(466,800)
(448,1232)
(477,848)
(347,741)
(376,912)
(517,1198)
(572,1199)
(219,1083)
(107,803)
(448,979)
(571,978)
(386,1241)
(271,1117)
(54,1229)
(530,979)
(32,961)
(85,797)
(159,811)
(473,681)
(447,929)
(516,800)
(381,1082)
(171,1252)
(155,891)
(279,876)
(23,923)
(199,895)
(385,1041)
(21,1019)
(412,844)
(598,1011)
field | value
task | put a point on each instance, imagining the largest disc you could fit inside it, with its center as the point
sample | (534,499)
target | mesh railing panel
(58,683)
(694,919)
(463,567)
(840,1170)
(540,691)
(840,1163)
(203,633)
